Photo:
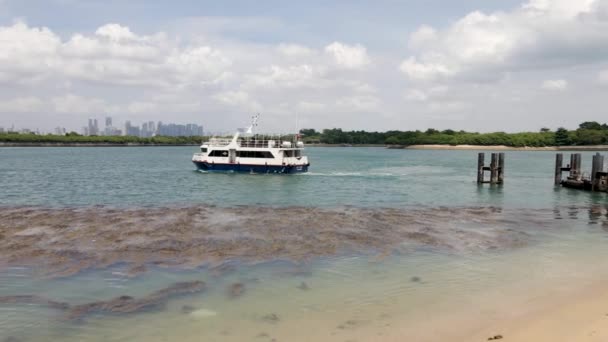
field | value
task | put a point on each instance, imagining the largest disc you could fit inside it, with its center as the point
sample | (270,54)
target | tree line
(75,138)
(588,133)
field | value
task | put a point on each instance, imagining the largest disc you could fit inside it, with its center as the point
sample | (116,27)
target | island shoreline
(393,147)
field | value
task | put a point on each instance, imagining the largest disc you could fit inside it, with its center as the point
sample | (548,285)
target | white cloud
(348,56)
(423,36)
(239,99)
(423,95)
(21,105)
(602,77)
(294,76)
(555,85)
(358,103)
(538,34)
(114,55)
(212,71)
(116,33)
(129,67)
(295,50)
(27,53)
(311,107)
(416,95)
(424,71)
(76,104)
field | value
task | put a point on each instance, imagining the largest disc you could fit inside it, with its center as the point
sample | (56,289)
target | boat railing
(219,142)
(258,143)
(270,142)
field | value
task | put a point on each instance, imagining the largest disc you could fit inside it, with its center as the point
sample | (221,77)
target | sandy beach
(575,317)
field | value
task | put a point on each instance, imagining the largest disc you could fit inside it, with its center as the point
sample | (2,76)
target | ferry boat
(252,153)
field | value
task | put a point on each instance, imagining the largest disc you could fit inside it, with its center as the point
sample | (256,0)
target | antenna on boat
(254,123)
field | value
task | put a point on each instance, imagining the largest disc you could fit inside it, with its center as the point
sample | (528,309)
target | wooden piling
(597,167)
(501,168)
(594,167)
(575,166)
(579,165)
(480,164)
(559,159)
(494,169)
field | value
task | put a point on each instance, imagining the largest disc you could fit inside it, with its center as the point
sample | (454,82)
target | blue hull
(203,166)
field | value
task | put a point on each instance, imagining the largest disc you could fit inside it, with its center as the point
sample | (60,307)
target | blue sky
(378,23)
(475,65)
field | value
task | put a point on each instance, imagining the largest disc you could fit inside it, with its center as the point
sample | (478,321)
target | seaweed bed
(65,241)
(118,305)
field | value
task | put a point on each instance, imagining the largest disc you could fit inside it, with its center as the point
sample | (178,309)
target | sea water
(420,294)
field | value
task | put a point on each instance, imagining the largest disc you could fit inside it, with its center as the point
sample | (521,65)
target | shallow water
(471,274)
(363,177)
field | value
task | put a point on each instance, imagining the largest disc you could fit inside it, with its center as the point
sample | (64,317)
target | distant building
(175,130)
(148,129)
(131,130)
(60,131)
(110,130)
(127,127)
(1,129)
(93,128)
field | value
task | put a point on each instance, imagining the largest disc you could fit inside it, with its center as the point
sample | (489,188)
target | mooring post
(575,165)
(494,169)
(559,159)
(501,168)
(579,165)
(480,164)
(572,165)
(594,169)
(597,166)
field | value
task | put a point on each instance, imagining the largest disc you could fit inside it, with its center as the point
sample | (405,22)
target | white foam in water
(203,313)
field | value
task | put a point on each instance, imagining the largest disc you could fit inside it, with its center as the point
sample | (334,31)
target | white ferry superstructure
(253,154)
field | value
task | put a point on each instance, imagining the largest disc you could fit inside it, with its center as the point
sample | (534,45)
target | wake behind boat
(253,153)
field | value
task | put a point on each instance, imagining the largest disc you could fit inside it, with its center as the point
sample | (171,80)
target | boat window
(204,149)
(218,153)
(254,154)
(288,153)
(298,153)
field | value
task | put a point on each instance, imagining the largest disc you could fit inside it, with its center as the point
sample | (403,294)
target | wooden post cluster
(496,168)
(597,181)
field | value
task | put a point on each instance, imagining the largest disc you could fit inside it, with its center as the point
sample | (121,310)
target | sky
(476,65)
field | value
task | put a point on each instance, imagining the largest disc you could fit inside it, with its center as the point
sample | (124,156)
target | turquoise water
(421,292)
(362,177)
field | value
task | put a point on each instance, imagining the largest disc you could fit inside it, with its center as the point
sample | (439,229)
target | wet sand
(582,317)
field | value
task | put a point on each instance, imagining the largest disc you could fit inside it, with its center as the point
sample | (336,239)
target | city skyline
(146,129)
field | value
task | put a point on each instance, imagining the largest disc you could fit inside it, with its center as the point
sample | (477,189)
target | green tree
(562,137)
(590,125)
(308,132)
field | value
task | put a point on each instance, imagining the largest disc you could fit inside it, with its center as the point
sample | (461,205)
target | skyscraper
(127,127)
(93,128)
